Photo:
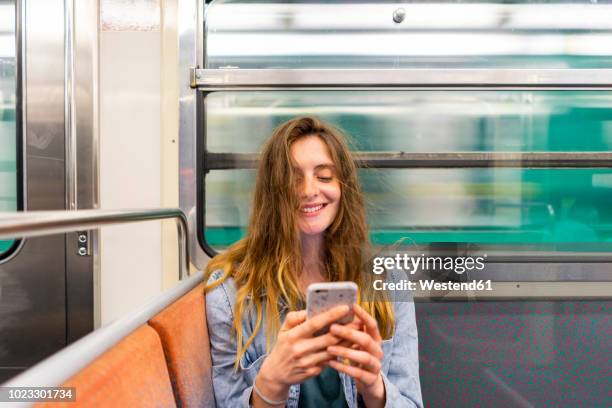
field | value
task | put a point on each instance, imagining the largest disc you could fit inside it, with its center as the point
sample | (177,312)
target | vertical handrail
(70,106)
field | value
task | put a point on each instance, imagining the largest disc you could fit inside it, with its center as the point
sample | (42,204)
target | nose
(309,188)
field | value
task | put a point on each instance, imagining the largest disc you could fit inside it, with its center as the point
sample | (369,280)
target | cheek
(332,192)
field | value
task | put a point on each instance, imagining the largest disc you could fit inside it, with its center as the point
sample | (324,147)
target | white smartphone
(324,296)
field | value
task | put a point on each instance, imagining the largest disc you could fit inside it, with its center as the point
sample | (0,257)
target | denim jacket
(400,367)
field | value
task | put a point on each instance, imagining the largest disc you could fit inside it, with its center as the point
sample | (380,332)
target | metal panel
(216,79)
(515,354)
(32,306)
(403,160)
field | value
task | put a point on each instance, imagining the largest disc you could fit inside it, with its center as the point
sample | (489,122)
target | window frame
(12,250)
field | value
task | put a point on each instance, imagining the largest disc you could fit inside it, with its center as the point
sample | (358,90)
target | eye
(325,175)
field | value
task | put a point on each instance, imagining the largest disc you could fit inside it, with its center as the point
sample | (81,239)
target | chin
(313,229)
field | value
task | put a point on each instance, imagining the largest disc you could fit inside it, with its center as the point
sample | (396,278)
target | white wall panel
(129,167)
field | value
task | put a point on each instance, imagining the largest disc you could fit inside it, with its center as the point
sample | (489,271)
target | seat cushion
(182,329)
(131,374)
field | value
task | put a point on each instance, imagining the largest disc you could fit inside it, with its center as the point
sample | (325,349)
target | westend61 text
(404,284)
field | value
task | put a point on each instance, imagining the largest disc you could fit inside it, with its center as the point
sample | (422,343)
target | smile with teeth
(313,208)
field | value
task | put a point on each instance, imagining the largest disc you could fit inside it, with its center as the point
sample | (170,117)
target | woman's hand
(297,355)
(364,356)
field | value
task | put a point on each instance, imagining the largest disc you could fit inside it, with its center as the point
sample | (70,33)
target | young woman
(307,225)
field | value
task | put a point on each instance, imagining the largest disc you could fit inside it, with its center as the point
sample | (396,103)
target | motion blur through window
(513,209)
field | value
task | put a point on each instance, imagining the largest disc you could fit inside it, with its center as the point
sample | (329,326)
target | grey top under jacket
(324,390)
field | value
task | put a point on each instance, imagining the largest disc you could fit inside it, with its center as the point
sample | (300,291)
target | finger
(346,343)
(357,373)
(311,326)
(349,344)
(293,319)
(362,339)
(314,371)
(369,322)
(315,359)
(356,323)
(314,344)
(333,341)
(367,361)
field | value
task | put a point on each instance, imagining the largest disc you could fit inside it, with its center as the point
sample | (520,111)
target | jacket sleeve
(232,387)
(402,384)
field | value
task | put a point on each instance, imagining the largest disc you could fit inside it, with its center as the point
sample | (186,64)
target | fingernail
(332,349)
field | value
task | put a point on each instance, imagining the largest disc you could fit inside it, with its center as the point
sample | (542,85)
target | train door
(46,283)
(484,132)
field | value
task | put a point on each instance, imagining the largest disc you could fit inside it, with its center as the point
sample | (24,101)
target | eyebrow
(319,167)
(325,166)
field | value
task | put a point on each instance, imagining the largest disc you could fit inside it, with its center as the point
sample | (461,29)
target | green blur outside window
(8,129)
(514,209)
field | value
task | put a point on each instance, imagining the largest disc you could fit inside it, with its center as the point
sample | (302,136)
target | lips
(312,210)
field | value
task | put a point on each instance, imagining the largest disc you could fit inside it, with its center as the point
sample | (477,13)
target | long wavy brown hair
(267,262)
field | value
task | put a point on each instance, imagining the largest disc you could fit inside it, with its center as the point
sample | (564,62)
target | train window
(375,34)
(9,145)
(515,210)
(459,151)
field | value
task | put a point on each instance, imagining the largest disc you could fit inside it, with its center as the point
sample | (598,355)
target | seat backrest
(182,329)
(131,374)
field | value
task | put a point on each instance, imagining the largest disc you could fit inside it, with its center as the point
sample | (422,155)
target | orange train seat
(182,329)
(163,360)
(131,374)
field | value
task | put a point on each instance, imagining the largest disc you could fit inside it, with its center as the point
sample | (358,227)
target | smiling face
(318,186)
